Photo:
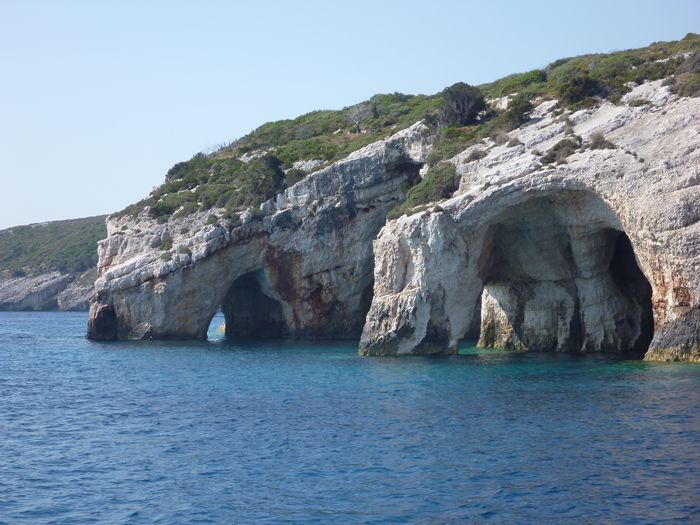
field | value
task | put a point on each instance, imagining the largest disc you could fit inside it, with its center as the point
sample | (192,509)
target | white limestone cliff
(577,257)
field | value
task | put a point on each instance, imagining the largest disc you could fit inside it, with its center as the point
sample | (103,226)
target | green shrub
(440,182)
(690,64)
(476,154)
(212,219)
(529,83)
(451,141)
(166,244)
(638,102)
(514,142)
(500,137)
(169,203)
(560,151)
(686,85)
(578,88)
(598,141)
(518,111)
(462,103)
(294,175)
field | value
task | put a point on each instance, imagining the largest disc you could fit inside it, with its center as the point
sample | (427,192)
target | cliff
(568,226)
(302,267)
(49,266)
(598,253)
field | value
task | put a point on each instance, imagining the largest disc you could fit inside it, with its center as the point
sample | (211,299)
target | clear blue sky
(98,99)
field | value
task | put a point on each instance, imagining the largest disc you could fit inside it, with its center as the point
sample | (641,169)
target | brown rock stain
(681,293)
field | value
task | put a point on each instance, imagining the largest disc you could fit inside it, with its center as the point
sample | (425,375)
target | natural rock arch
(250,311)
(312,243)
(556,268)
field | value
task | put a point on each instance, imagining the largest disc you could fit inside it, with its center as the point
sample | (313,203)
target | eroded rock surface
(46,291)
(599,253)
(584,256)
(38,292)
(301,268)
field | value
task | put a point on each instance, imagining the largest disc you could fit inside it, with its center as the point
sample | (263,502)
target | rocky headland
(49,266)
(45,291)
(601,253)
(577,229)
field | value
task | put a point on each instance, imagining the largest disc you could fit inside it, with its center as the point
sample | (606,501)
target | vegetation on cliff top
(250,170)
(68,246)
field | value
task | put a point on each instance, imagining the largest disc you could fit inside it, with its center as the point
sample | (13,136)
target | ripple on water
(310,433)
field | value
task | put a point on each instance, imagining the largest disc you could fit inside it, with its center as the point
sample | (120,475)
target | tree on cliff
(360,113)
(461,105)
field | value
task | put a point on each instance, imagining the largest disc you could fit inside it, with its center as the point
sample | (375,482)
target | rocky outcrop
(46,291)
(301,267)
(600,253)
(76,296)
(34,292)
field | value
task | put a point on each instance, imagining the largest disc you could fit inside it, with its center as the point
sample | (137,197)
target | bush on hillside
(560,151)
(690,64)
(476,154)
(598,141)
(686,85)
(577,88)
(440,182)
(294,175)
(530,82)
(518,111)
(462,104)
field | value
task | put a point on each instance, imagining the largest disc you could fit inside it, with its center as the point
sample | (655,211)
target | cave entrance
(250,309)
(560,274)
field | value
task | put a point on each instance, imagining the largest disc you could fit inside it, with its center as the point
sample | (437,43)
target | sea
(309,432)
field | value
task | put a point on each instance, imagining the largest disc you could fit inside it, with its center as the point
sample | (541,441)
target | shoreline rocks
(600,252)
(48,291)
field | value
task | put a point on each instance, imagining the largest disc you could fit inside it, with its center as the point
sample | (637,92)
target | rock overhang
(333,219)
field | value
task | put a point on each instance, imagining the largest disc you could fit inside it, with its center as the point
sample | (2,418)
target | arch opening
(560,274)
(251,311)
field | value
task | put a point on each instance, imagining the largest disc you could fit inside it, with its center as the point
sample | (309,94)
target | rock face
(598,253)
(301,268)
(48,291)
(601,253)
(76,296)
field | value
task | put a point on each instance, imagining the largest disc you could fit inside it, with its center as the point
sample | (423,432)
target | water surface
(144,432)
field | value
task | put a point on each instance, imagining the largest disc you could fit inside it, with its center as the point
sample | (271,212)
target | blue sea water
(211,432)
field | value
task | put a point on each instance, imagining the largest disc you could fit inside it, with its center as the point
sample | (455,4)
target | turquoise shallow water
(144,432)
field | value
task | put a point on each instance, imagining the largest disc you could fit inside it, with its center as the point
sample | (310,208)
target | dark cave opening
(632,283)
(551,283)
(249,312)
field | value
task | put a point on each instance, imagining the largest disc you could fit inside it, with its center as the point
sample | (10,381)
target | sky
(99,99)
